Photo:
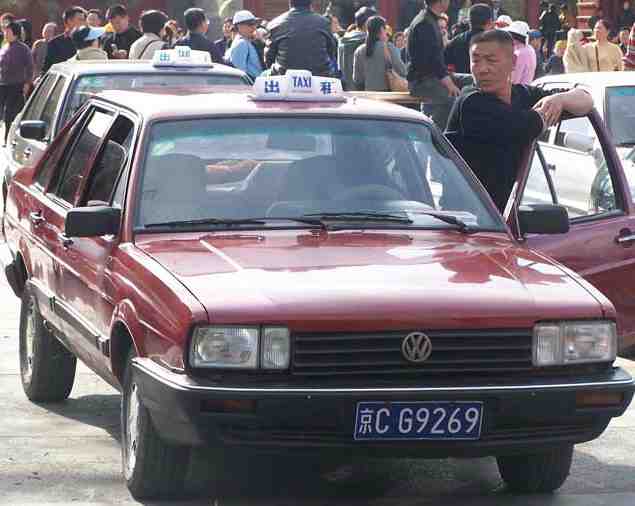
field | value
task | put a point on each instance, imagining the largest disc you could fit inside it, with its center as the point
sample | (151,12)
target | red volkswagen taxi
(296,270)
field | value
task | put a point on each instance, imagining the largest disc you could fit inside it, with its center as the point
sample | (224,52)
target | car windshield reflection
(334,169)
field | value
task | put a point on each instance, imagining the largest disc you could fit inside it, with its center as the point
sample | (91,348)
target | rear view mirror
(92,221)
(578,142)
(34,130)
(543,219)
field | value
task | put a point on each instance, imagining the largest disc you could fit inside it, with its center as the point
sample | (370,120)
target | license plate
(436,420)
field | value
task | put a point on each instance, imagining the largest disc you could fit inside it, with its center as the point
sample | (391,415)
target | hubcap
(132,429)
(29,339)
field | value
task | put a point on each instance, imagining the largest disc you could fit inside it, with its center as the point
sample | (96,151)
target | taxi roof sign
(299,85)
(181,56)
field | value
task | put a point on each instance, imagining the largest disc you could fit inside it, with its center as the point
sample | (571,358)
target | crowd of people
(430,59)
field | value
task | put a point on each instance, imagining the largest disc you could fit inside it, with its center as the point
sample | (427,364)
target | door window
(578,170)
(48,113)
(538,189)
(36,104)
(79,156)
(110,162)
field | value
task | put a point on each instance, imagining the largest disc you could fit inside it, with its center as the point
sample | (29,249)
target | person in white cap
(86,40)
(525,67)
(242,53)
(503,21)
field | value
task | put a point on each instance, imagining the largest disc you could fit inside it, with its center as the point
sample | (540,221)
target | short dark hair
(480,15)
(500,37)
(116,11)
(78,36)
(194,17)
(71,12)
(607,24)
(15,28)
(362,15)
(152,21)
(299,3)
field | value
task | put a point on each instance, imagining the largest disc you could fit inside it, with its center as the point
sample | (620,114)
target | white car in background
(572,150)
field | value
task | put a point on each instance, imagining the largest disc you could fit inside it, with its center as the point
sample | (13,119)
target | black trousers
(11,103)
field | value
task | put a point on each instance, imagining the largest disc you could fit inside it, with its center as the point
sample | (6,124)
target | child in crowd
(555,64)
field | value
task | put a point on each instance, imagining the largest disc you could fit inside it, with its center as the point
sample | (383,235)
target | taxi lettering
(302,82)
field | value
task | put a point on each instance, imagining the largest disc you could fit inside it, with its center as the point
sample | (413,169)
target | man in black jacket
(428,76)
(117,44)
(61,48)
(197,25)
(300,39)
(457,52)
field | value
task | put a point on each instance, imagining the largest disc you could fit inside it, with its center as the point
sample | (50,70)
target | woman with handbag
(603,55)
(377,64)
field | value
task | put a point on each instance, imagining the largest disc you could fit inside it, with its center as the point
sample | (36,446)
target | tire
(47,368)
(152,468)
(538,473)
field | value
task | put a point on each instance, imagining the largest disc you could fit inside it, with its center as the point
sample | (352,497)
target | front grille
(453,351)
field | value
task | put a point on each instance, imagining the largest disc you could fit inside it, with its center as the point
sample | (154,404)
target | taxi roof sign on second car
(299,85)
(181,56)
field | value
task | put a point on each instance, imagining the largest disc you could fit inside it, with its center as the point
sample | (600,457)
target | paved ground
(69,453)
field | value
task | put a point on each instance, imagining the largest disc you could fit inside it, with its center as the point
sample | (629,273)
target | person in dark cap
(349,44)
(457,52)
(117,44)
(300,39)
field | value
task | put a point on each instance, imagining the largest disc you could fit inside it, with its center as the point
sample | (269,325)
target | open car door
(576,165)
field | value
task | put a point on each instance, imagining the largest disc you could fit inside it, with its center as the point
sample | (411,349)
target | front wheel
(152,468)
(537,473)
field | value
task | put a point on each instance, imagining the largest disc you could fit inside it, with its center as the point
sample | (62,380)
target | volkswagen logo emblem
(416,347)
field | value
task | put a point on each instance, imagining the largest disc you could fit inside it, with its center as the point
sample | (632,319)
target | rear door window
(51,106)
(81,154)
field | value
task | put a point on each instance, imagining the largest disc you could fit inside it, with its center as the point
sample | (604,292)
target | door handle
(626,238)
(65,240)
(27,153)
(36,217)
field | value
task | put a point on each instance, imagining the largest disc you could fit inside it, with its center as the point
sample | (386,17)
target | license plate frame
(393,419)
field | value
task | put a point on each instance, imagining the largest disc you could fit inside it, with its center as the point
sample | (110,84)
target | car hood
(370,279)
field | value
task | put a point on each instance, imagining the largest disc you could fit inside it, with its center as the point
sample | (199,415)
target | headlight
(574,342)
(236,347)
(225,347)
(275,348)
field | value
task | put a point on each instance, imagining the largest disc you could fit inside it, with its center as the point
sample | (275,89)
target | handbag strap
(597,57)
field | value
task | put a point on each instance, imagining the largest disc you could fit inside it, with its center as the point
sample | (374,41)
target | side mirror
(543,219)
(92,221)
(35,130)
(578,142)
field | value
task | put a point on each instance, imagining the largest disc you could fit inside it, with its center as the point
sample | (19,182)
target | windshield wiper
(359,216)
(231,222)
(451,220)
(205,221)
(625,144)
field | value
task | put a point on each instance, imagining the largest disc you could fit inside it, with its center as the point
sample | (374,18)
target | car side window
(48,113)
(538,189)
(110,163)
(578,169)
(80,154)
(36,104)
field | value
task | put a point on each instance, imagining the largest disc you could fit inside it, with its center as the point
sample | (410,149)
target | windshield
(236,169)
(89,85)
(621,114)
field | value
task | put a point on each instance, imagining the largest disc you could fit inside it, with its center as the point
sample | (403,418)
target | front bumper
(517,417)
